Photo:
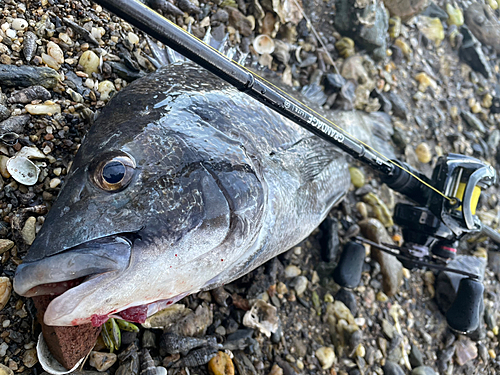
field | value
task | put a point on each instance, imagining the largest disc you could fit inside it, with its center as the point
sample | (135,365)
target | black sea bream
(182,184)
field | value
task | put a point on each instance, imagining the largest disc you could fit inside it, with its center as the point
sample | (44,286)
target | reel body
(433,227)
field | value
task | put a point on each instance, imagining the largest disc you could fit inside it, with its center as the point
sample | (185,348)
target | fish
(182,184)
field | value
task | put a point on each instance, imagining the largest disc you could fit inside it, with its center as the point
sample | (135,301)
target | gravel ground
(392,323)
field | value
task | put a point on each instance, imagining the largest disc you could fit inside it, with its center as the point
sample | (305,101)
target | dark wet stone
(391,368)
(128,337)
(423,370)
(435,11)
(165,6)
(220,16)
(399,108)
(330,242)
(123,72)
(188,7)
(473,121)
(355,339)
(349,299)
(371,37)
(470,52)
(416,359)
(239,21)
(243,364)
(24,76)
(444,357)
(333,83)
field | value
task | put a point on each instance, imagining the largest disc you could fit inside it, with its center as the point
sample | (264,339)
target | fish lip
(82,262)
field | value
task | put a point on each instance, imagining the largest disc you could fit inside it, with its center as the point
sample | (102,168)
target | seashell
(262,316)
(147,364)
(174,344)
(263,44)
(29,45)
(48,362)
(23,170)
(31,153)
(345,46)
(222,297)
(197,357)
(281,51)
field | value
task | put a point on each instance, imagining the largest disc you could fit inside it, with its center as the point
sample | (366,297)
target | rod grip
(463,315)
(348,271)
(403,182)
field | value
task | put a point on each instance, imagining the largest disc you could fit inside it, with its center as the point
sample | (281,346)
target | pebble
(4,370)
(425,81)
(19,24)
(106,89)
(133,38)
(465,351)
(349,299)
(276,370)
(432,28)
(90,62)
(50,62)
(5,245)
(30,358)
(3,349)
(357,177)
(292,271)
(102,361)
(221,364)
(55,182)
(455,15)
(55,52)
(416,359)
(28,232)
(360,350)
(423,370)
(5,290)
(391,368)
(43,109)
(326,357)
(300,284)
(3,166)
(423,152)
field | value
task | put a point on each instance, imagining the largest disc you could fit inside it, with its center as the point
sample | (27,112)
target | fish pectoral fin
(315,157)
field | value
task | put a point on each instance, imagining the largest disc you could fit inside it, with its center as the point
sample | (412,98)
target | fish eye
(113,174)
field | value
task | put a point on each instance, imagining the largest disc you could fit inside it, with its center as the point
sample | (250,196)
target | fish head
(134,223)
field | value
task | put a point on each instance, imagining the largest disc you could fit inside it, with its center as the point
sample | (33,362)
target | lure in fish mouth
(182,184)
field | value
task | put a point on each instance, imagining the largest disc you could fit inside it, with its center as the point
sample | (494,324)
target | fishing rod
(445,204)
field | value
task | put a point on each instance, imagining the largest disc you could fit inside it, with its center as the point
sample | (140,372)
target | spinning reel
(432,229)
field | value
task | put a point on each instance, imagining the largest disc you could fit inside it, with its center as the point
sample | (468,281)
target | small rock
(416,359)
(19,24)
(455,15)
(43,109)
(276,370)
(132,38)
(434,11)
(326,357)
(102,361)
(5,245)
(55,182)
(471,52)
(148,339)
(24,76)
(423,370)
(221,364)
(4,370)
(391,368)
(349,299)
(5,290)
(465,350)
(473,121)
(300,284)
(106,89)
(292,271)
(423,152)
(357,177)
(30,358)
(3,166)
(239,21)
(29,231)
(329,241)
(432,28)
(90,62)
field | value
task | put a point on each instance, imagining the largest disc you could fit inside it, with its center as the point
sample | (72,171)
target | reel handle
(463,315)
(348,271)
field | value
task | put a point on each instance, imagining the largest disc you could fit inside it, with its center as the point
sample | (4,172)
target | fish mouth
(57,274)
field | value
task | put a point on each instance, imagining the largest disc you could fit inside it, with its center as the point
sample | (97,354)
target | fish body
(182,184)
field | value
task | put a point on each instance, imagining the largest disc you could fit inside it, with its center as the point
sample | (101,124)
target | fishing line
(231,77)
